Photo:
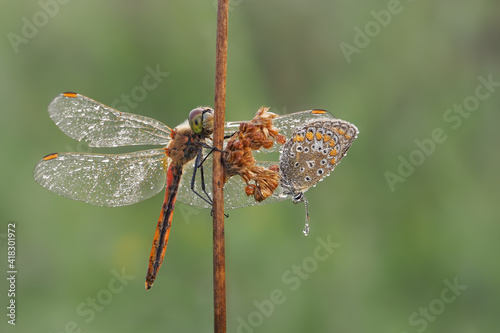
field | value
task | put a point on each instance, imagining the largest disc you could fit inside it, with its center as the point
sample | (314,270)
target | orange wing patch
(50,157)
(318,111)
(70,94)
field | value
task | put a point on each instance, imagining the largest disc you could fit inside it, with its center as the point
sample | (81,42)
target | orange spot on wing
(70,94)
(326,138)
(319,136)
(50,157)
(318,111)
(334,152)
(309,136)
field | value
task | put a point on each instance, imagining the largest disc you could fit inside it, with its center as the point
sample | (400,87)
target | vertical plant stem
(219,260)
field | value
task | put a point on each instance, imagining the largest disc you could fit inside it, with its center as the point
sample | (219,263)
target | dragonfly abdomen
(174,174)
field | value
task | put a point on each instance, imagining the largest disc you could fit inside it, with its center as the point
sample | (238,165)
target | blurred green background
(400,244)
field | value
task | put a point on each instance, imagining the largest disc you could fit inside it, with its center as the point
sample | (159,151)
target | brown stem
(218,197)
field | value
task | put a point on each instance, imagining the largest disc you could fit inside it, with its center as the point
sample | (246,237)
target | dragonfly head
(201,120)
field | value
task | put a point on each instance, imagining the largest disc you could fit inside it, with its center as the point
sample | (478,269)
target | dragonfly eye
(196,120)
(201,120)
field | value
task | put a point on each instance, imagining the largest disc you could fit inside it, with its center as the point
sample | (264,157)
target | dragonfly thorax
(184,145)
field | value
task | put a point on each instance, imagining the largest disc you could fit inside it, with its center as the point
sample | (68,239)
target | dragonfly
(122,179)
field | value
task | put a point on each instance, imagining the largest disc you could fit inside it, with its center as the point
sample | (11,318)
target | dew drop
(306,229)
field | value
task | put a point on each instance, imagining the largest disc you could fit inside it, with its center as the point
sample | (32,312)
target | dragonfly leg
(198,165)
(203,187)
(228,136)
(204,145)
(212,212)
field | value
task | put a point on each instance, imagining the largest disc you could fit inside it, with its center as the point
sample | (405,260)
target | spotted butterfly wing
(313,151)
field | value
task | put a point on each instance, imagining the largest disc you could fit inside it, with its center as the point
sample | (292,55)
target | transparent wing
(234,189)
(285,123)
(82,118)
(104,179)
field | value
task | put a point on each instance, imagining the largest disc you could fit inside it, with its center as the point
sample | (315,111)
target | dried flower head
(238,158)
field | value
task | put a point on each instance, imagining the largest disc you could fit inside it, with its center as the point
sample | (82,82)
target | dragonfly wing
(234,189)
(83,118)
(104,179)
(287,123)
(231,126)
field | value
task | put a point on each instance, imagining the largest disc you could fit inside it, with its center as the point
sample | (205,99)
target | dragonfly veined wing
(234,189)
(104,179)
(83,118)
